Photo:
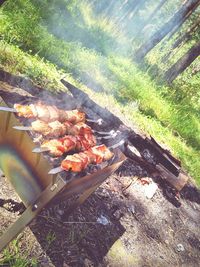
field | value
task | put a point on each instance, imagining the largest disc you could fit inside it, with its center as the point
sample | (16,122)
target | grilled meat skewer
(79,161)
(57,147)
(49,113)
(42,112)
(60,169)
(56,128)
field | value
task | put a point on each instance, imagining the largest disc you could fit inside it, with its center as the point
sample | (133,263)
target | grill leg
(31,211)
(81,199)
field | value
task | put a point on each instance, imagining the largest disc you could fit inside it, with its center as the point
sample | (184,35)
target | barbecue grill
(28,172)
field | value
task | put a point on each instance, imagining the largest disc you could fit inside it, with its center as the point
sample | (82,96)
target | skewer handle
(40,149)
(55,170)
(22,128)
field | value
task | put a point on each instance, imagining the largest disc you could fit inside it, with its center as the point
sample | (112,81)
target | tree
(183,39)
(151,16)
(188,34)
(176,21)
(176,28)
(139,5)
(182,63)
(129,8)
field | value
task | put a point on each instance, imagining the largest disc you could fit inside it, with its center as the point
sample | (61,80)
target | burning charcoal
(128,168)
(148,156)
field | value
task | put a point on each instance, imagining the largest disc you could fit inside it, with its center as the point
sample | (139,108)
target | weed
(12,257)
(50,238)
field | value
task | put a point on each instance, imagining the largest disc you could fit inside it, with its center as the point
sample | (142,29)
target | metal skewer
(23,128)
(110,134)
(40,149)
(99,121)
(59,169)
(55,170)
(8,109)
(134,150)
(107,137)
(46,149)
(104,133)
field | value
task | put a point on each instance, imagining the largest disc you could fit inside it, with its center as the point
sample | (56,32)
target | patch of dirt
(116,226)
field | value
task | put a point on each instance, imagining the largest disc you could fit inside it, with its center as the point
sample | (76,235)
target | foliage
(12,257)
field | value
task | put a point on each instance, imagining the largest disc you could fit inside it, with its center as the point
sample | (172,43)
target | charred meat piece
(79,161)
(67,143)
(49,113)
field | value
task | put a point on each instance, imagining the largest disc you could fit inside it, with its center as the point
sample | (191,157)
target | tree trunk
(176,28)
(139,5)
(182,63)
(181,41)
(152,15)
(130,9)
(175,21)
(187,36)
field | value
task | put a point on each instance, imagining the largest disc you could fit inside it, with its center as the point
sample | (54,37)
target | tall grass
(135,85)
(14,60)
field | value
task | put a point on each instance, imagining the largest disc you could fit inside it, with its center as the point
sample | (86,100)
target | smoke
(95,30)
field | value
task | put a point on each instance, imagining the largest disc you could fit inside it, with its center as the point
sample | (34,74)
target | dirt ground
(117,226)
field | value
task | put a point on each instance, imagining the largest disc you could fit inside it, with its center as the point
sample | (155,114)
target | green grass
(154,100)
(12,257)
(14,60)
